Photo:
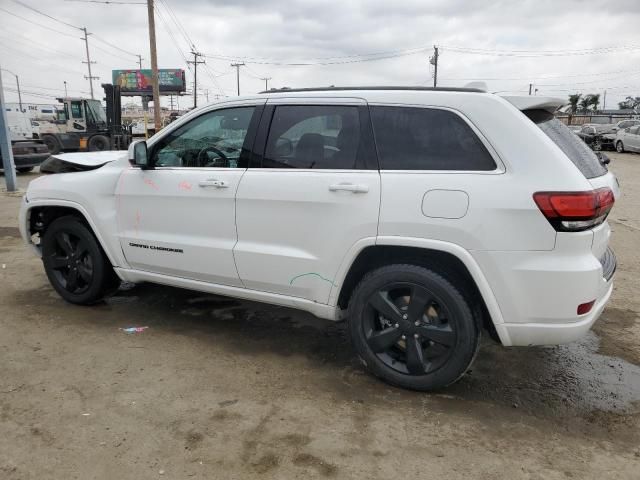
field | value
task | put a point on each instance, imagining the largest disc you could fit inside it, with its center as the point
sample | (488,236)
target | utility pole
(139,61)
(238,65)
(266,83)
(17,85)
(195,63)
(5,145)
(91,78)
(604,101)
(434,61)
(65,89)
(154,66)
(530,87)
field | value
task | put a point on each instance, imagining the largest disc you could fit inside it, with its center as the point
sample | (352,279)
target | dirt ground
(222,389)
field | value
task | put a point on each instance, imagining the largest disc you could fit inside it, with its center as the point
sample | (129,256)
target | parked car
(628,140)
(622,124)
(27,154)
(424,217)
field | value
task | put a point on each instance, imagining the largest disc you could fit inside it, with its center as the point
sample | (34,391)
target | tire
(99,143)
(52,144)
(619,146)
(75,264)
(24,169)
(393,304)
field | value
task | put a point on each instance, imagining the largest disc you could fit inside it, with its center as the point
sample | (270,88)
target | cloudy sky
(561,46)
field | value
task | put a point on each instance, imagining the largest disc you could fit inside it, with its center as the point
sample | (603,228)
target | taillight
(575,211)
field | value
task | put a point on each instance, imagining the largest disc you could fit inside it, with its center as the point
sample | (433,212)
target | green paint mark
(314,274)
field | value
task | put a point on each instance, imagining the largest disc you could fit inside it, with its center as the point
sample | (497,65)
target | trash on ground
(134,329)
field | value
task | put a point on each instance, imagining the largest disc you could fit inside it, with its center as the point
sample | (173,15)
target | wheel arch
(450,260)
(41,214)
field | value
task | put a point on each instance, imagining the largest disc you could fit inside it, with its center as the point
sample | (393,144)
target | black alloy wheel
(408,328)
(74,262)
(412,327)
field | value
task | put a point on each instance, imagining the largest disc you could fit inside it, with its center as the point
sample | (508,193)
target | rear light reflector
(585,307)
(575,211)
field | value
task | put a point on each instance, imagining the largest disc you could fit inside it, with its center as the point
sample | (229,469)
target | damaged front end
(79,162)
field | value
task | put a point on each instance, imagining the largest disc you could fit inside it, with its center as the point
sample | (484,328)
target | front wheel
(619,147)
(412,328)
(75,264)
(24,169)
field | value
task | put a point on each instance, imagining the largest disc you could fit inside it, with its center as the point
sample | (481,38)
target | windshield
(573,147)
(96,112)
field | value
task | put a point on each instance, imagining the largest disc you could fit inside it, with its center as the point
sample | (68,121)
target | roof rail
(332,89)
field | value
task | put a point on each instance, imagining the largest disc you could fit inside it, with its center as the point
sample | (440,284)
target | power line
(113,46)
(540,53)
(173,38)
(26,41)
(108,2)
(36,23)
(178,24)
(45,14)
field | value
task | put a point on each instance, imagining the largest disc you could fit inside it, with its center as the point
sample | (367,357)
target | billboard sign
(138,82)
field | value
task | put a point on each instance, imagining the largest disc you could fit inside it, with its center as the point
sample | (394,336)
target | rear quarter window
(410,138)
(571,145)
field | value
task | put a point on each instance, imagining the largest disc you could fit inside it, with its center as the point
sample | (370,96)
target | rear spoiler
(534,102)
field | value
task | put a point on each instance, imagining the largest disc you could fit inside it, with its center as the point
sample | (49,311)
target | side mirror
(138,154)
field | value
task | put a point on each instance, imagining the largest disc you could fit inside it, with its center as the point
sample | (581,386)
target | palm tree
(573,101)
(585,103)
(595,101)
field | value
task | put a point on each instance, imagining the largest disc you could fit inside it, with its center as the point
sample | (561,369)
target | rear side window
(427,139)
(315,136)
(573,147)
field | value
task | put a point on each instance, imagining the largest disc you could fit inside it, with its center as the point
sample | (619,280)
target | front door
(314,194)
(178,218)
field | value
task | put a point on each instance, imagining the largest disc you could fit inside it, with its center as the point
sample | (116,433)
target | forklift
(83,125)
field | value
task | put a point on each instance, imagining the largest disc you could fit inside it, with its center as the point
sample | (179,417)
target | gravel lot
(220,388)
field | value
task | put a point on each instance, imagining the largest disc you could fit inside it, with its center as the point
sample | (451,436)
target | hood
(77,162)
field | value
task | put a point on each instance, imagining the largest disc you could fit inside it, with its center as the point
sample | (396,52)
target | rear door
(312,193)
(632,139)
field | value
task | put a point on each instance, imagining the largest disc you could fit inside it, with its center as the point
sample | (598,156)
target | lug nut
(417,323)
(396,325)
(405,316)
(415,335)
(404,337)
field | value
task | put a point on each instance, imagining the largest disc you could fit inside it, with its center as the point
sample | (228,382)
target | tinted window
(426,139)
(308,136)
(215,139)
(634,131)
(572,146)
(76,109)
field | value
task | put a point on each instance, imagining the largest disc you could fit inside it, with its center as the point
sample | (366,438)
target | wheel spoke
(85,273)
(72,280)
(442,334)
(380,341)
(63,240)
(58,262)
(415,357)
(420,299)
(380,301)
(81,249)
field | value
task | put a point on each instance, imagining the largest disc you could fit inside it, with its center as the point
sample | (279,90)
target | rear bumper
(526,334)
(539,291)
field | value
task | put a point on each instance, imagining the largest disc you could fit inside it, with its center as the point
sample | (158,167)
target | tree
(595,101)
(573,101)
(630,103)
(585,103)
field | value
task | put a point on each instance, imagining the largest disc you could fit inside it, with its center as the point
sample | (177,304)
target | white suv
(421,216)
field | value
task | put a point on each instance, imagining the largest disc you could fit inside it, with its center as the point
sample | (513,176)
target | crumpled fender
(79,162)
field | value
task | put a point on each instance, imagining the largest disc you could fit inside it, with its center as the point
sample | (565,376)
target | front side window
(411,138)
(215,139)
(317,137)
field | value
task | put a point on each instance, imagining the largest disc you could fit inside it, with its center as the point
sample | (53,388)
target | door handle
(349,187)
(213,182)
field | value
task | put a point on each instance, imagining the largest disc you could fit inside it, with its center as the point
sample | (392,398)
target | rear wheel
(98,143)
(75,264)
(619,146)
(412,328)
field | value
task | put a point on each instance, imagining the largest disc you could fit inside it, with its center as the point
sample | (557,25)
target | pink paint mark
(137,224)
(151,183)
(185,186)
